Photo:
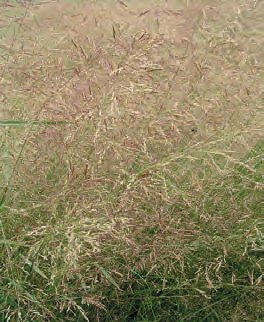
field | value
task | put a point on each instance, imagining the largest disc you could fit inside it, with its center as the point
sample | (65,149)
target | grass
(131,161)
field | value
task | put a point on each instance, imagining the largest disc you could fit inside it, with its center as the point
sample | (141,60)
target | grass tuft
(131,164)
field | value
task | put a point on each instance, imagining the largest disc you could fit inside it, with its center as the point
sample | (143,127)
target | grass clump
(131,161)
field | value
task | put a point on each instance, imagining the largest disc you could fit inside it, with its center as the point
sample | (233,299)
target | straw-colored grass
(131,161)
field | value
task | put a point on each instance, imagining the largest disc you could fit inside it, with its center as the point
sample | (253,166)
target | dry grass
(135,195)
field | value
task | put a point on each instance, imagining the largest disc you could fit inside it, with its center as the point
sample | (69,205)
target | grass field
(131,161)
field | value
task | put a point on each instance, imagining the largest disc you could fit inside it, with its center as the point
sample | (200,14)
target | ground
(131,160)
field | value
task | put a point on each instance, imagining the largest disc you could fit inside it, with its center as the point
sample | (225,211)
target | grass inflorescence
(131,161)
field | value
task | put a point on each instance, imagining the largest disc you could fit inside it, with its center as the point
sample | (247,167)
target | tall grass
(131,162)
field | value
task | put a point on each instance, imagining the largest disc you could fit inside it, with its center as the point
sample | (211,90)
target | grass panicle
(131,164)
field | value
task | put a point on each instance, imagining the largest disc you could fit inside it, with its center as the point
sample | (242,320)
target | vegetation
(131,161)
